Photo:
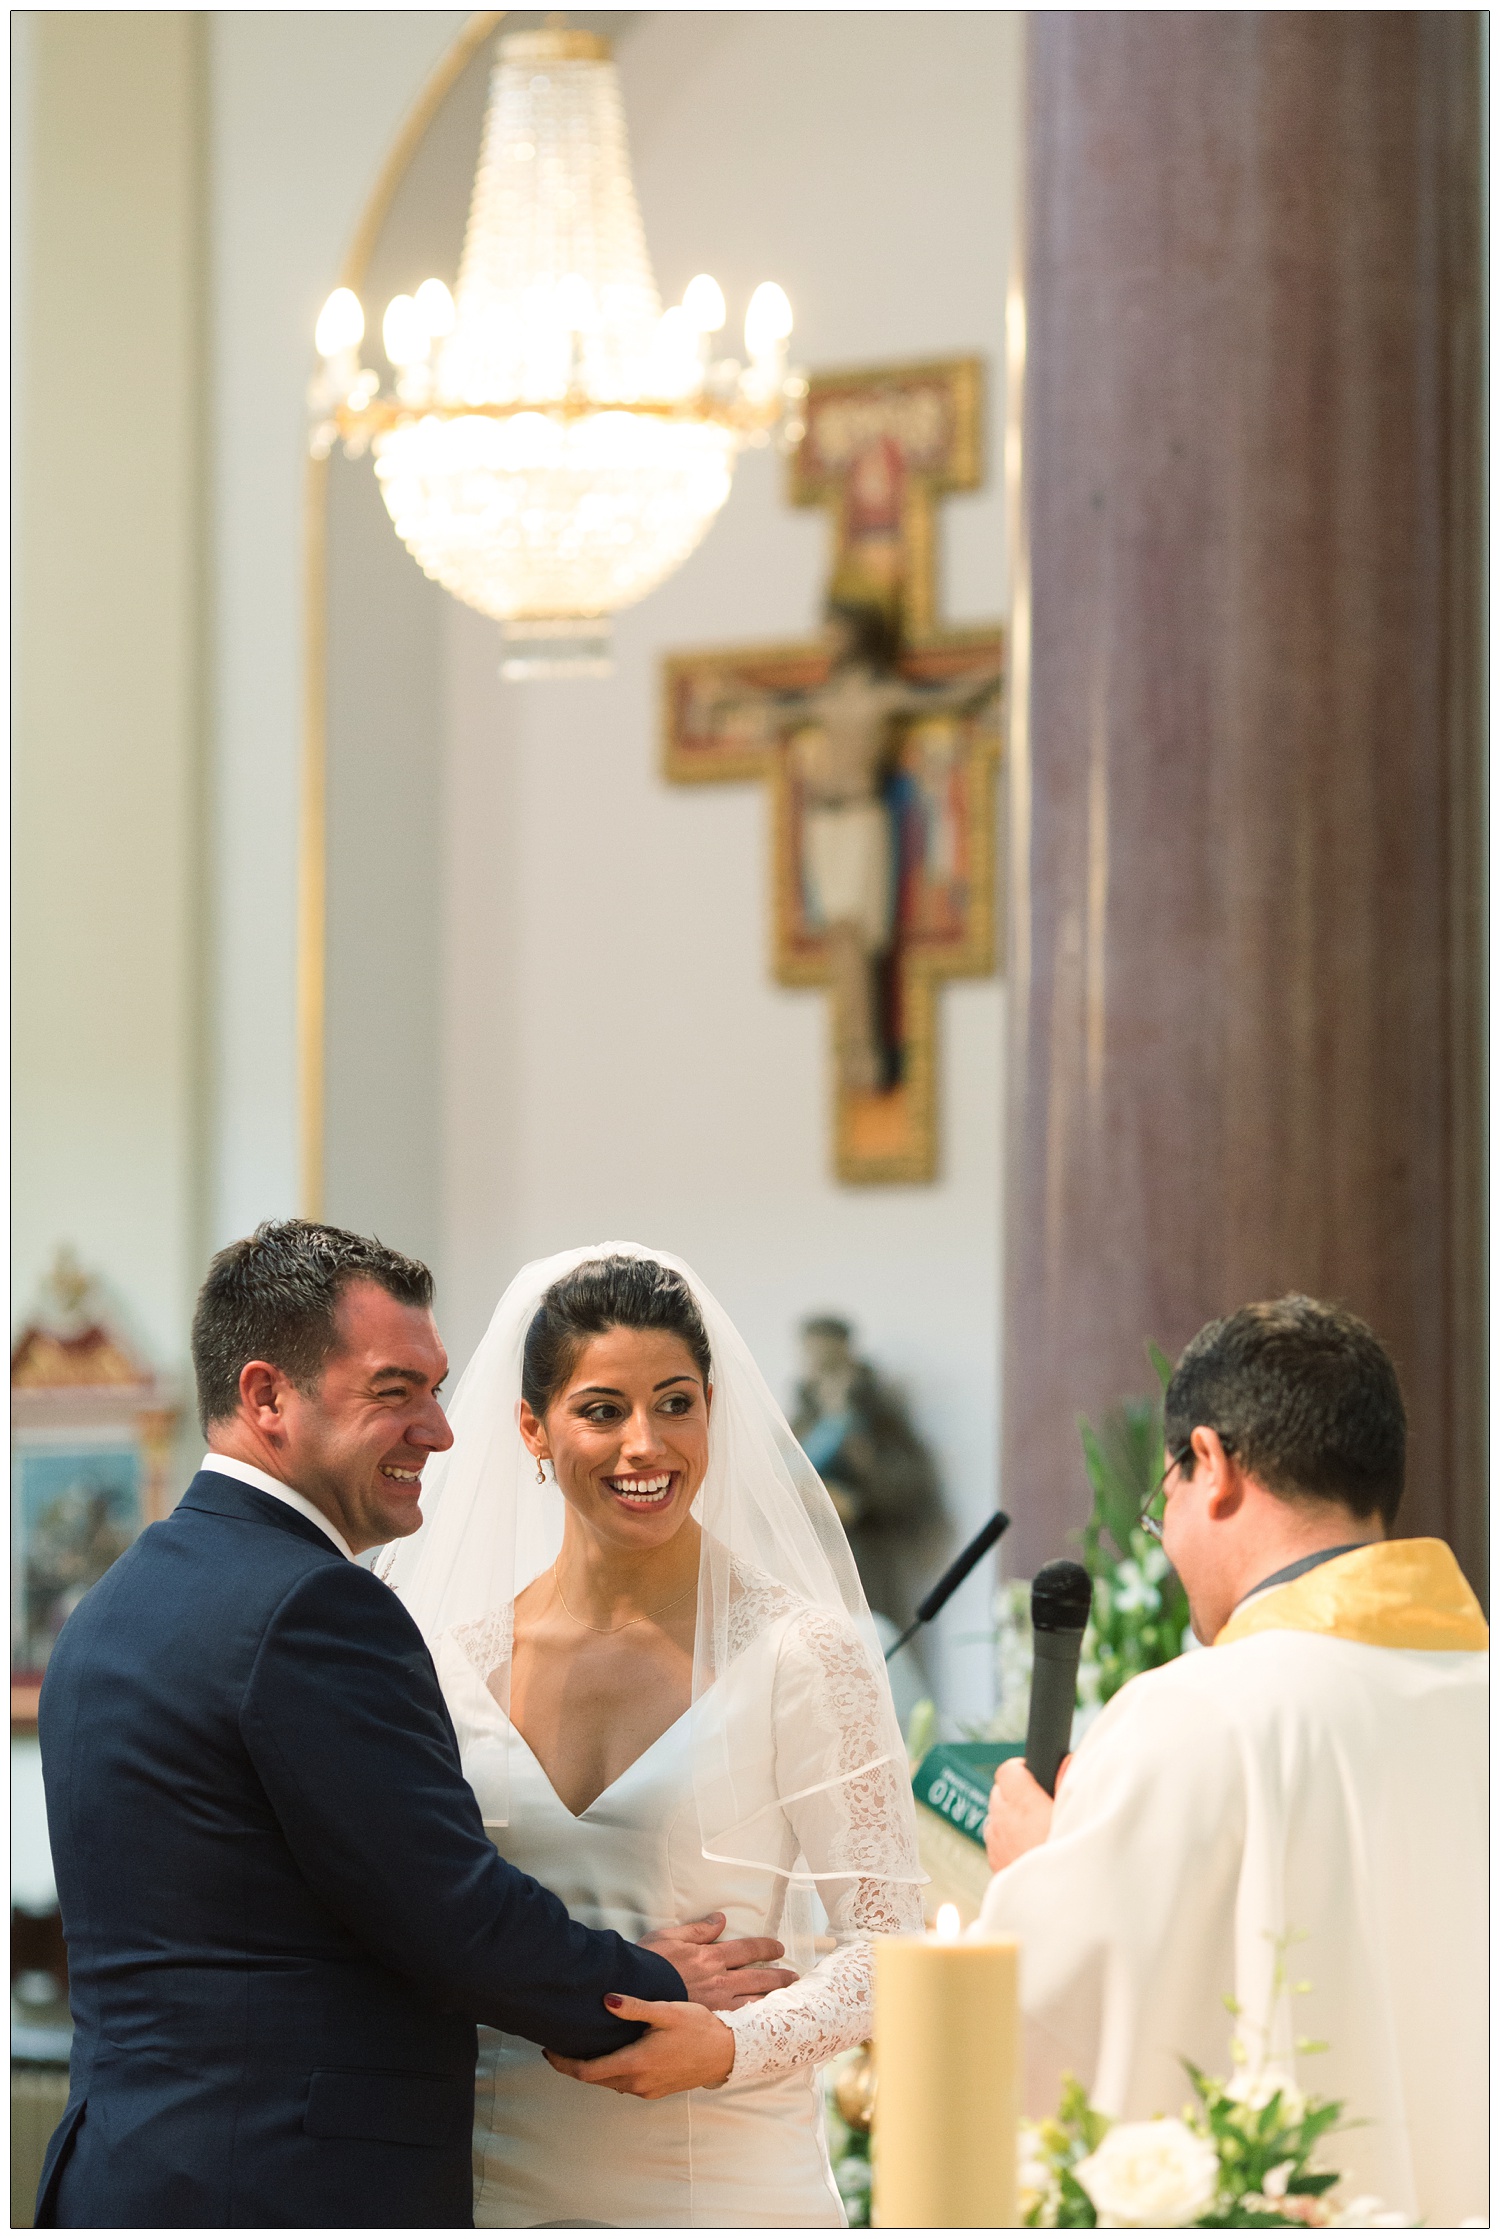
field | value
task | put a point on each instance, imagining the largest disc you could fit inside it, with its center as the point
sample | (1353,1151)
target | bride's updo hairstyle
(603,1294)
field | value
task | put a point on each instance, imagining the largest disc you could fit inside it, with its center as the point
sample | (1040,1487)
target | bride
(670,1704)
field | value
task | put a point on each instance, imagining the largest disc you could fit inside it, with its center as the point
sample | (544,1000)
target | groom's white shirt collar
(248,1474)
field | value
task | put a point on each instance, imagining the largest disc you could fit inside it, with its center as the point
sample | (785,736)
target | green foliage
(921,1729)
(1265,2157)
(849,2153)
(1263,2130)
(851,2173)
(1255,2143)
(1062,2143)
(1140,1610)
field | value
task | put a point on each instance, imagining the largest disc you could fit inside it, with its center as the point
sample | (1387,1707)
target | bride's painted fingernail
(612,1999)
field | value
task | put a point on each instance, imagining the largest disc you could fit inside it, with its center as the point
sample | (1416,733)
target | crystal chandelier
(554,444)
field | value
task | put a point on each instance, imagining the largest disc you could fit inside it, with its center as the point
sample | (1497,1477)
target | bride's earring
(541,1474)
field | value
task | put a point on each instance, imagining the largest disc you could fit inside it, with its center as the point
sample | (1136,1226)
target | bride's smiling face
(627,1435)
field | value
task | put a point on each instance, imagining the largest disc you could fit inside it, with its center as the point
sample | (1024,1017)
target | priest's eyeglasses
(1153,1508)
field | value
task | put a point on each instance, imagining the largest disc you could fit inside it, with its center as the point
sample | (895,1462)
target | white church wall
(107,740)
(304,108)
(618,1061)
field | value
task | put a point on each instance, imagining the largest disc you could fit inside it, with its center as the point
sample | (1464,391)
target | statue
(855,1430)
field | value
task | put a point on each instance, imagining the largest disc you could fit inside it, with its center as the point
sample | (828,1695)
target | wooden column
(1246,937)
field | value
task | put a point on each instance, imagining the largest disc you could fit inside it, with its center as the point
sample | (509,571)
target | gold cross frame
(880,742)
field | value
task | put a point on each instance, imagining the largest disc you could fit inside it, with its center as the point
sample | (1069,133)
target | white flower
(1276,2179)
(1256,2088)
(1036,2179)
(1150,2176)
(1133,1590)
(1032,2167)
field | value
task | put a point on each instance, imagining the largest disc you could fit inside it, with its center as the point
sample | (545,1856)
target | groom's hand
(719,1975)
(683,2049)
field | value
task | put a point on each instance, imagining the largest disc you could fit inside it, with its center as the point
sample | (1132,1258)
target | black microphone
(952,1578)
(1062,1594)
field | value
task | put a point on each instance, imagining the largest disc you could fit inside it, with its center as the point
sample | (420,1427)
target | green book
(954,1780)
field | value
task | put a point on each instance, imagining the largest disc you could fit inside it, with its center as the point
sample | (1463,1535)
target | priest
(1312,1788)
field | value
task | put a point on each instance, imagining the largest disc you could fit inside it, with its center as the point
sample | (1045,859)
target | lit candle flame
(949,1926)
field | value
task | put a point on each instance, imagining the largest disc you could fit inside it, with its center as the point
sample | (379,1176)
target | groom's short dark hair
(274,1296)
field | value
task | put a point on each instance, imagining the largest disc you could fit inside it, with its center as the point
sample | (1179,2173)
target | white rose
(1150,2176)
(1256,2089)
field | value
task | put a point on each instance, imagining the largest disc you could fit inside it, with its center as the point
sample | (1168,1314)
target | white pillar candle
(948,2080)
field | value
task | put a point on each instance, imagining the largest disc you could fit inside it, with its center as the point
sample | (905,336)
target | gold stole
(1395,1593)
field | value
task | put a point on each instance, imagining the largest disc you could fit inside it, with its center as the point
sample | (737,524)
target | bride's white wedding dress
(786,1776)
(750,2152)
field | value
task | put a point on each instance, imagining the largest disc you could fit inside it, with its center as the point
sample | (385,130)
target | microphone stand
(953,1577)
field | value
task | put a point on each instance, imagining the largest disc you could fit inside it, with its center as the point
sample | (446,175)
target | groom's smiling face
(356,1446)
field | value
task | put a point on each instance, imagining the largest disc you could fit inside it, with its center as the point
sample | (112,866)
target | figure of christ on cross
(879,758)
(879,739)
(843,750)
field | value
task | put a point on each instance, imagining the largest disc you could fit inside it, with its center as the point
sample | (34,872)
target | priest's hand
(684,2048)
(719,1975)
(1020,1812)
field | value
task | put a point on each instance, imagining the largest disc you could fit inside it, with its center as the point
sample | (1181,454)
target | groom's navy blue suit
(283,1914)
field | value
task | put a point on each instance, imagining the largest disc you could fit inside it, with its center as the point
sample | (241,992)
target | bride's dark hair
(601,1294)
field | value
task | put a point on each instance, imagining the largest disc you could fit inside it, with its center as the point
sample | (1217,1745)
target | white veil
(776,1577)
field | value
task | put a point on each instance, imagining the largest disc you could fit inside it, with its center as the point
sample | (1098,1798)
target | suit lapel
(218,1495)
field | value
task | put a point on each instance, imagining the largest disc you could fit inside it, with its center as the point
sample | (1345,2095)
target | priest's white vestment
(1321,1771)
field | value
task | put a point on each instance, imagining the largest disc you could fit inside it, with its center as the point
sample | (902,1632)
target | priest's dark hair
(274,1296)
(601,1294)
(1305,1395)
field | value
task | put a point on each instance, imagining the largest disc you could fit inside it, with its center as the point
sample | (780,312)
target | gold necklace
(646,1620)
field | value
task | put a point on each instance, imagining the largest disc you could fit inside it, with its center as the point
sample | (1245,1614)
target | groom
(283,1914)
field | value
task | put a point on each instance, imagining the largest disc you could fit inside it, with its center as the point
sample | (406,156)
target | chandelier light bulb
(703,301)
(341,324)
(674,371)
(403,331)
(574,303)
(768,321)
(435,305)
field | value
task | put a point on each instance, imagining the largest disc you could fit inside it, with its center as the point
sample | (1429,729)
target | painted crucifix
(880,741)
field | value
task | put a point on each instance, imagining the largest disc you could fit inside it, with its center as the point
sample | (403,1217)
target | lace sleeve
(847,1799)
(832,2007)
